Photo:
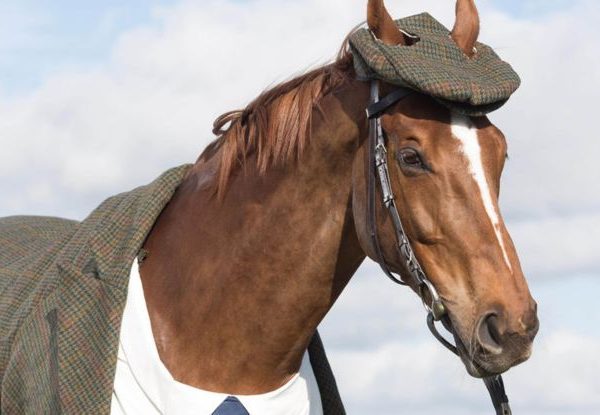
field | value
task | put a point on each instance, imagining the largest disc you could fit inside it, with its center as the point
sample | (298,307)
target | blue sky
(97,97)
(40,37)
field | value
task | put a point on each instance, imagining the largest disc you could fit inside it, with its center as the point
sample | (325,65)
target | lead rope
(376,165)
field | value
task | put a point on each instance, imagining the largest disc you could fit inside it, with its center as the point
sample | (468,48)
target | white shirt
(144,386)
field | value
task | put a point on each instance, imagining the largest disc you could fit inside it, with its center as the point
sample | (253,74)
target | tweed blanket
(63,288)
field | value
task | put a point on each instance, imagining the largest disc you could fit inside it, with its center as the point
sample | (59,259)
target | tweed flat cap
(436,66)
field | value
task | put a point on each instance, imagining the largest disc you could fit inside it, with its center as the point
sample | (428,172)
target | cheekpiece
(435,65)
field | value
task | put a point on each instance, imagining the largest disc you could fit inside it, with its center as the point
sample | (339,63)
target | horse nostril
(488,334)
(532,324)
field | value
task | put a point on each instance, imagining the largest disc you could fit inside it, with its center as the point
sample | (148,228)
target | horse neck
(253,274)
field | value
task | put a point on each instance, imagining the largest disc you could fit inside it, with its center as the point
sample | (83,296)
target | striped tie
(231,406)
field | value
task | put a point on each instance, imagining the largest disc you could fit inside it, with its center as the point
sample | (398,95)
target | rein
(377,168)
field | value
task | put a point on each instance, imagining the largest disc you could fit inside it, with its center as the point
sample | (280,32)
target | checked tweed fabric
(63,288)
(436,66)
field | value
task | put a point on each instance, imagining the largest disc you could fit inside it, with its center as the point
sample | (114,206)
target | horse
(271,222)
(269,226)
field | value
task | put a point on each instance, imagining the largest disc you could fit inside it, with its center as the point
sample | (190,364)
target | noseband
(377,168)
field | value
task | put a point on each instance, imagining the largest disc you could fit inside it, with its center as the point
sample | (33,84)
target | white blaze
(464,130)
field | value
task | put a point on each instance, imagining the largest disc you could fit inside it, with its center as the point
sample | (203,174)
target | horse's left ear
(382,25)
(466,28)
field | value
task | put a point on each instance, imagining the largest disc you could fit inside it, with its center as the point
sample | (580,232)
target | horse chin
(475,368)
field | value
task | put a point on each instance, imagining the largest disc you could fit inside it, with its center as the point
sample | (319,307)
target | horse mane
(275,126)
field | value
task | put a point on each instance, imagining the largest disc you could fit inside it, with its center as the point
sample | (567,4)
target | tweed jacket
(63,288)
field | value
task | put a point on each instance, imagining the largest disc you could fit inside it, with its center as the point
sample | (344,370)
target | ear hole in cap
(410,38)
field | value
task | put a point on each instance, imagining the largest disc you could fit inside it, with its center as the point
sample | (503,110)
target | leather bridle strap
(371,163)
(376,164)
(378,169)
(378,107)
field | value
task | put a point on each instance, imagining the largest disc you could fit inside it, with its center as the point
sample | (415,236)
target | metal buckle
(436,308)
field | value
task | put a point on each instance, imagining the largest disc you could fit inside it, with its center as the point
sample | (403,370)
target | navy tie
(231,406)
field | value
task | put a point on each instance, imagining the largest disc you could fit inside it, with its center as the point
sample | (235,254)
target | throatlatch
(377,168)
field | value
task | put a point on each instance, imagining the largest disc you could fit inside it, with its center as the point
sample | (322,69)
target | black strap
(438,336)
(378,106)
(495,386)
(371,179)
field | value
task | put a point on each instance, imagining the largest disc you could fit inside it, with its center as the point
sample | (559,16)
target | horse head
(445,171)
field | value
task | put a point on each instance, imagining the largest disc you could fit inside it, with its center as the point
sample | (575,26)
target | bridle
(377,170)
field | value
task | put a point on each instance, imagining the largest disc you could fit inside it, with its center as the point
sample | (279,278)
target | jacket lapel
(88,319)
(94,273)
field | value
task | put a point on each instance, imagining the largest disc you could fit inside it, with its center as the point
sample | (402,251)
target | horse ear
(382,25)
(466,28)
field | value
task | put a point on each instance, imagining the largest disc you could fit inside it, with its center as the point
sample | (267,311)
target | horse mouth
(474,368)
(481,365)
(478,368)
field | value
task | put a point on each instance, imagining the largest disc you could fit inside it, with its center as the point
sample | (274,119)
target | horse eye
(411,158)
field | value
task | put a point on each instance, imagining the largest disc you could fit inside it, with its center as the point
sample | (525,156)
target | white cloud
(99,132)
(423,378)
(559,245)
(372,304)
(551,120)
